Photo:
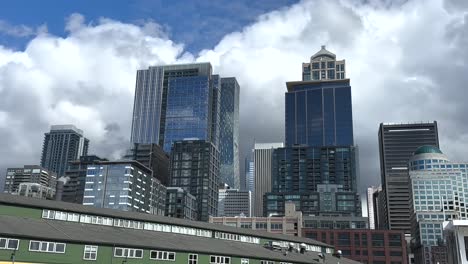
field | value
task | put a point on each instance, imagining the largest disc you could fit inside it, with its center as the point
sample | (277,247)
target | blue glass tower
(318,108)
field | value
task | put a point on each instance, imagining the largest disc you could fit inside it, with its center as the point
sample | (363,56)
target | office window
(128,253)
(9,243)
(90,252)
(192,259)
(377,240)
(220,260)
(44,246)
(162,255)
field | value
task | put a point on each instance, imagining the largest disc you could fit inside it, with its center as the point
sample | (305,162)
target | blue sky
(198,24)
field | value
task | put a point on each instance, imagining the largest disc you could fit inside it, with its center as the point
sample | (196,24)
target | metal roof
(79,233)
(78,208)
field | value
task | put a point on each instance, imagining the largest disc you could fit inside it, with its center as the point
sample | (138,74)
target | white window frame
(220,259)
(192,259)
(128,252)
(7,241)
(244,261)
(89,249)
(163,255)
(47,245)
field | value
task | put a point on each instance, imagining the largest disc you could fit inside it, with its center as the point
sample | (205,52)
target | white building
(234,202)
(371,206)
(456,236)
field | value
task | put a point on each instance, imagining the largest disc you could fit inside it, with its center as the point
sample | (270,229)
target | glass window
(3,243)
(244,261)
(90,252)
(12,244)
(162,255)
(220,260)
(192,259)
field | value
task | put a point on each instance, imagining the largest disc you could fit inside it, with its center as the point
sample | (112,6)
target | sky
(407,61)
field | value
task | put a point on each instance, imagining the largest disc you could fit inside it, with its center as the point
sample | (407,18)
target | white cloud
(406,61)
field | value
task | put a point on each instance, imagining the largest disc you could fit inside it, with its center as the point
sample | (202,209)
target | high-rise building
(70,188)
(438,193)
(373,206)
(319,108)
(124,185)
(28,174)
(64,143)
(195,168)
(262,158)
(249,175)
(181,204)
(174,102)
(153,157)
(234,202)
(229,133)
(397,143)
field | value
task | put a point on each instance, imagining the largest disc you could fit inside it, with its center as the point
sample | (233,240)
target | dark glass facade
(229,133)
(397,143)
(319,113)
(195,168)
(153,157)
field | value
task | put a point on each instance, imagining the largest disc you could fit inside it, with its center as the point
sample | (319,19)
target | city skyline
(108,130)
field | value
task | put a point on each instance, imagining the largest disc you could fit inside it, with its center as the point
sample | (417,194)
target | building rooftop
(427,149)
(66,127)
(323,52)
(62,231)
(78,208)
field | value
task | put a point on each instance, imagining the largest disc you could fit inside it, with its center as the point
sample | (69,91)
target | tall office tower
(123,185)
(262,158)
(229,133)
(397,143)
(318,179)
(319,108)
(249,175)
(234,202)
(373,205)
(181,204)
(174,102)
(195,168)
(153,157)
(64,143)
(438,193)
(28,174)
(70,188)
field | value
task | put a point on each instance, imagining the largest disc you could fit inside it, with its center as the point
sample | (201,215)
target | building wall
(397,142)
(233,202)
(28,174)
(262,158)
(153,157)
(181,204)
(366,246)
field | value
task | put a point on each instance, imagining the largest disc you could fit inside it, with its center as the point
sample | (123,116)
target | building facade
(229,133)
(234,202)
(456,237)
(335,221)
(41,231)
(123,185)
(373,206)
(181,204)
(64,143)
(28,174)
(195,168)
(364,245)
(439,191)
(249,176)
(184,104)
(36,190)
(153,157)
(317,179)
(262,158)
(397,143)
(319,108)
(70,188)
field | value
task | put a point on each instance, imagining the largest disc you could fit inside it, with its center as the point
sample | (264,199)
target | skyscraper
(262,158)
(174,102)
(319,108)
(234,202)
(229,133)
(397,143)
(249,175)
(64,143)
(195,168)
(153,157)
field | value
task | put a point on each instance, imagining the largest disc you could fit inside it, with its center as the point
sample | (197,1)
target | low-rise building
(335,221)
(36,190)
(28,174)
(42,231)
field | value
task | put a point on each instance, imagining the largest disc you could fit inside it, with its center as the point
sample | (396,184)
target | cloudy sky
(76,64)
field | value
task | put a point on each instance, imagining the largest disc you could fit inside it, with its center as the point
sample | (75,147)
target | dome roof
(427,149)
(323,52)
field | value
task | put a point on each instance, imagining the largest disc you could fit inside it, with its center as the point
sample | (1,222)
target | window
(192,259)
(43,246)
(162,255)
(220,260)
(90,252)
(266,262)
(9,243)
(128,253)
(244,261)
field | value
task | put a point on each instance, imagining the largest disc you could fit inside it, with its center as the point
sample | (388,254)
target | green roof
(427,149)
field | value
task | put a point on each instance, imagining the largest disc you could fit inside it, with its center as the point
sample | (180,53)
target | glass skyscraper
(229,133)
(319,110)
(174,102)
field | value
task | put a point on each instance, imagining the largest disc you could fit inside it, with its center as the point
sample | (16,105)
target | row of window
(108,221)
(9,243)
